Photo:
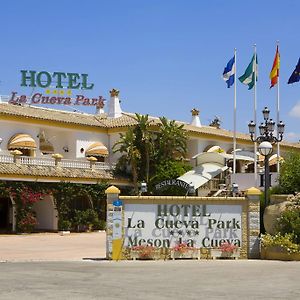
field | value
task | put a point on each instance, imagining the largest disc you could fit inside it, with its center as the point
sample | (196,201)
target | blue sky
(165,56)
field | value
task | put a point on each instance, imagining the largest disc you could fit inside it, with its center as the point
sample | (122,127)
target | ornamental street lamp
(143,187)
(266,140)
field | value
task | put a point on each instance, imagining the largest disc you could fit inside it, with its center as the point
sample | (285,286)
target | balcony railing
(65,163)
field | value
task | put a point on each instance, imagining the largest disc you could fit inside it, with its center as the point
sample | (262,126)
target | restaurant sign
(197,225)
(58,89)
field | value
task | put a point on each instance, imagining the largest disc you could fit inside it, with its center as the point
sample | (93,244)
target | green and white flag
(248,77)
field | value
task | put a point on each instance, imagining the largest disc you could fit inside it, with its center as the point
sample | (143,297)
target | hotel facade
(46,145)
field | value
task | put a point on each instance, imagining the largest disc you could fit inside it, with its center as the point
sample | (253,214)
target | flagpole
(234,117)
(278,108)
(255,144)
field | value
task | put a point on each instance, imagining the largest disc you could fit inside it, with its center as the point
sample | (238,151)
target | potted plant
(145,252)
(278,246)
(182,250)
(227,250)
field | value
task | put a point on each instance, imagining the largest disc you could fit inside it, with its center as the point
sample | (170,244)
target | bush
(27,222)
(64,224)
(99,225)
(285,242)
(289,222)
(86,219)
(289,179)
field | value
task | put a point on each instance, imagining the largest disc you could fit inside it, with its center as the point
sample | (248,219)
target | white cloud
(295,111)
(292,136)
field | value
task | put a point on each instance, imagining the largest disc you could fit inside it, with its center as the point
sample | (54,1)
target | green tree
(166,170)
(171,140)
(144,142)
(131,154)
(289,179)
(149,151)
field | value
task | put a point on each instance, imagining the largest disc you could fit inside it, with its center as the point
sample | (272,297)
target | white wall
(46,214)
(247,180)
(74,139)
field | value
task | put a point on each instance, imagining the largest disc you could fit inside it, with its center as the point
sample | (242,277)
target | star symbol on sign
(171,232)
(69,92)
(61,92)
(180,232)
(196,232)
(54,92)
(188,232)
(47,91)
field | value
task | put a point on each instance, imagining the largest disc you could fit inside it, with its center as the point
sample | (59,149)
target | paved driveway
(52,247)
(148,280)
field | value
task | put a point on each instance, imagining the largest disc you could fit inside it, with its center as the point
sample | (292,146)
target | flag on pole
(295,77)
(275,69)
(248,77)
(228,74)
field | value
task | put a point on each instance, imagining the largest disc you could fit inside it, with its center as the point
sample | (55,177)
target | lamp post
(266,139)
(143,187)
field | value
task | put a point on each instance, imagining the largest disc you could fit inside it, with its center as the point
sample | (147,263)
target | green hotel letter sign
(45,79)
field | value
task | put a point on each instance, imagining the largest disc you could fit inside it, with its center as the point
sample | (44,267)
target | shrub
(27,222)
(289,222)
(84,219)
(285,242)
(289,179)
(64,224)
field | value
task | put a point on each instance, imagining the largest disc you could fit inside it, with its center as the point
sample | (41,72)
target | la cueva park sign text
(55,84)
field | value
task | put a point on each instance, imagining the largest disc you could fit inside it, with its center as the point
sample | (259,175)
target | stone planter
(217,253)
(277,198)
(190,253)
(139,254)
(277,253)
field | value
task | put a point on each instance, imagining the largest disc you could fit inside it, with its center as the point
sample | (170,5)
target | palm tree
(171,140)
(144,141)
(131,154)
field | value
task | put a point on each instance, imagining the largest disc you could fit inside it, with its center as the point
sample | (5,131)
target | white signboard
(117,223)
(165,225)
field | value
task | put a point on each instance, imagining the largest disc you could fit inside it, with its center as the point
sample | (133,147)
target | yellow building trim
(253,191)
(112,190)
(37,178)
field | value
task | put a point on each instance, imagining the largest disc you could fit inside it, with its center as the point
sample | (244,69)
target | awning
(202,174)
(46,147)
(96,149)
(273,159)
(217,149)
(21,141)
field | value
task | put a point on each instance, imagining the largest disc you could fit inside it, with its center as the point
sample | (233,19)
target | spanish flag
(275,69)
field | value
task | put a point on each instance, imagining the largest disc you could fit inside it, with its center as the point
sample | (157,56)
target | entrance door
(5,215)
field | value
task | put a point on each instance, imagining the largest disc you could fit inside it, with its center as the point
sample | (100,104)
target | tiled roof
(64,116)
(51,171)
(102,121)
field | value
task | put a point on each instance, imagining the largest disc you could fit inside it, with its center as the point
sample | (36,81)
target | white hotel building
(46,145)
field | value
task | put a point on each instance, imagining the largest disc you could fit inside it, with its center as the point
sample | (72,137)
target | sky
(165,57)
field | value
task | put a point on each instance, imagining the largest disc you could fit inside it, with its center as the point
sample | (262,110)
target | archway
(81,202)
(6,215)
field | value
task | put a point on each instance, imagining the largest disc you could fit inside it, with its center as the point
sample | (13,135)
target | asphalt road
(220,279)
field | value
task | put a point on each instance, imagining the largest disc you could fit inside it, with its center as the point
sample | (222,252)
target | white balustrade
(70,163)
(37,161)
(47,161)
(6,159)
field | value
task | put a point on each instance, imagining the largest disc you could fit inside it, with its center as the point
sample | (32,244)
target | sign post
(117,234)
